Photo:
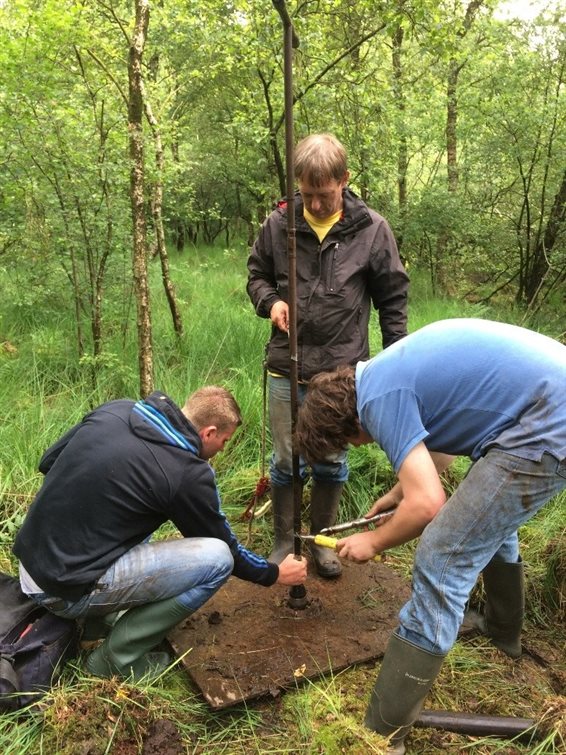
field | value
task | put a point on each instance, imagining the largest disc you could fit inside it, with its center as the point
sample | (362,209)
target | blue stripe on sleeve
(252,558)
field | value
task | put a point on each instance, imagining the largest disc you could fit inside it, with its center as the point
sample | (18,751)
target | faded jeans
(189,569)
(477,524)
(334,470)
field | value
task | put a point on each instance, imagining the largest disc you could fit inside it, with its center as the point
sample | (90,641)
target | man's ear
(207,433)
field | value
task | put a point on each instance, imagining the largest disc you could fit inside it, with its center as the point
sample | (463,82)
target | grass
(44,389)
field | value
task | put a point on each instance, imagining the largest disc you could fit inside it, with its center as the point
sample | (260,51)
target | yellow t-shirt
(321,227)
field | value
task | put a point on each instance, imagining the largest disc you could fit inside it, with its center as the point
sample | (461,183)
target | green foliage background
(380,75)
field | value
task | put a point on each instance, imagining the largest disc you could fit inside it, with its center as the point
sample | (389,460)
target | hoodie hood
(157,419)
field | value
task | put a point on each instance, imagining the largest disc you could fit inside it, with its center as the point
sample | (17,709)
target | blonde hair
(212,405)
(320,158)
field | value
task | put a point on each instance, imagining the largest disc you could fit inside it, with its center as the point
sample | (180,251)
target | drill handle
(330,542)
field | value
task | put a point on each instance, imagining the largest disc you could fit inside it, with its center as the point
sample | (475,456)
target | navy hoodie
(110,482)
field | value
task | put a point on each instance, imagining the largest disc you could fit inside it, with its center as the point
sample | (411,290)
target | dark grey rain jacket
(356,265)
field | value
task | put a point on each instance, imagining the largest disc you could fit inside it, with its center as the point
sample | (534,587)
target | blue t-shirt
(463,386)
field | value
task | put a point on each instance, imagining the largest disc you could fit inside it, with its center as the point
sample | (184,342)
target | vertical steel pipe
(297,593)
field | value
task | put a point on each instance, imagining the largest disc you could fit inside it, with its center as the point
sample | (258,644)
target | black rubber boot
(283,515)
(407,673)
(504,611)
(125,652)
(325,499)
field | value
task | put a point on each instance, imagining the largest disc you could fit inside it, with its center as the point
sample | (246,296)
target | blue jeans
(189,569)
(477,524)
(333,470)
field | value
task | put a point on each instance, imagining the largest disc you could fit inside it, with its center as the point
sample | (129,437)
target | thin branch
(119,23)
(110,75)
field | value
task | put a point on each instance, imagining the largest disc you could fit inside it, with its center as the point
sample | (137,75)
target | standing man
(110,483)
(487,390)
(347,260)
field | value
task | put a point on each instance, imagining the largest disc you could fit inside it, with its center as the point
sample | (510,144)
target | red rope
(262,487)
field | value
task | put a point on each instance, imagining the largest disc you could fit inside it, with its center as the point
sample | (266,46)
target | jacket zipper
(332,266)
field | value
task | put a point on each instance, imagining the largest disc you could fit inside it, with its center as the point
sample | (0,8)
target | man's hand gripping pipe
(323,539)
(330,542)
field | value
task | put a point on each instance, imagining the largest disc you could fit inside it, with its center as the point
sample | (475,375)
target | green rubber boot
(325,499)
(283,506)
(98,627)
(94,629)
(407,673)
(125,652)
(504,611)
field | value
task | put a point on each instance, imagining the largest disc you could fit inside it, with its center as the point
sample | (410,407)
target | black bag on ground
(34,646)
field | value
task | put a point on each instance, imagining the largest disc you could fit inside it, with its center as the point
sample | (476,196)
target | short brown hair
(320,158)
(212,405)
(327,417)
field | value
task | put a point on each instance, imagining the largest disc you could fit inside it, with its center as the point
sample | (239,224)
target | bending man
(110,482)
(490,391)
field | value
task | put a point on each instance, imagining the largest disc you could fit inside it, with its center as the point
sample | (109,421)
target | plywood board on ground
(246,642)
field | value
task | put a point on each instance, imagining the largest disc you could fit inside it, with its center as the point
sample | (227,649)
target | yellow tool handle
(330,542)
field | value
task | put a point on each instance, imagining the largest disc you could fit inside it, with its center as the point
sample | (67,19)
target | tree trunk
(454,69)
(273,129)
(156,205)
(451,125)
(73,275)
(135,117)
(402,151)
(541,262)
(279,164)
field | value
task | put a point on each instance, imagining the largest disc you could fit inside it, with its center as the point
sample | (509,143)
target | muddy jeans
(479,522)
(190,569)
(333,470)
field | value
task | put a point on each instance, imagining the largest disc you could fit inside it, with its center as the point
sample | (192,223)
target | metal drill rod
(361,522)
(288,41)
(297,593)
